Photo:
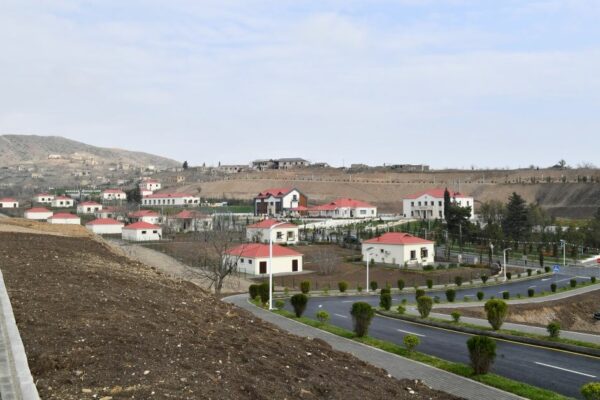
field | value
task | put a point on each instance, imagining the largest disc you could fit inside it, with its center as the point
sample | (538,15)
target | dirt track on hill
(98,325)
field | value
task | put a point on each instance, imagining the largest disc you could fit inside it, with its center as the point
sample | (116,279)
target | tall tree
(516,224)
(447,203)
(185,165)
(134,195)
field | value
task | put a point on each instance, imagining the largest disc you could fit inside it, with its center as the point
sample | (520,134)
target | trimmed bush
(411,341)
(279,304)
(591,391)
(593,279)
(508,275)
(480,296)
(253,291)
(400,284)
(553,287)
(359,289)
(546,269)
(263,292)
(530,292)
(305,287)
(455,316)
(496,311)
(362,314)
(401,309)
(429,283)
(484,278)
(322,316)
(506,295)
(482,352)
(553,329)
(299,303)
(342,286)
(373,285)
(538,272)
(573,283)
(386,289)
(450,295)
(436,299)
(419,293)
(424,305)
(529,271)
(385,300)
(458,280)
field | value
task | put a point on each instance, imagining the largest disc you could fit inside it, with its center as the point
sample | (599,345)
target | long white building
(171,199)
(344,208)
(400,249)
(429,204)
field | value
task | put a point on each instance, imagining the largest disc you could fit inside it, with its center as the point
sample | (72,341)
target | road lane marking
(410,333)
(348,301)
(564,369)
(341,316)
(546,279)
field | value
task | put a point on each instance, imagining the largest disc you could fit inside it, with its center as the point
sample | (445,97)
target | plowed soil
(97,325)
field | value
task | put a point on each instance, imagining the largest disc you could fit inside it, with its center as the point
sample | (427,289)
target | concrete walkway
(398,367)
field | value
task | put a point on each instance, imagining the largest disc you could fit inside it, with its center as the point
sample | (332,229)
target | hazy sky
(444,82)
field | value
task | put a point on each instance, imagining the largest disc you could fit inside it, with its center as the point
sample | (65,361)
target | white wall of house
(43,199)
(42,216)
(279,235)
(141,235)
(291,200)
(399,254)
(280,264)
(9,204)
(188,201)
(68,221)
(105,229)
(88,209)
(152,186)
(429,207)
(62,203)
(114,196)
(190,224)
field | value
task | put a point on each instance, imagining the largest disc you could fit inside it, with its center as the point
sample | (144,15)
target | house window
(432,203)
(249,261)
(363,212)
(143,232)
(279,235)
(419,204)
(439,203)
(381,250)
(412,203)
(294,265)
(262,268)
(440,214)
(154,231)
(241,260)
(294,198)
(468,203)
(413,254)
(412,213)
(290,235)
(424,252)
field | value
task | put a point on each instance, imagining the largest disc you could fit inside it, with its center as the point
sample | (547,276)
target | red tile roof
(275,192)
(8,200)
(113,191)
(187,214)
(259,250)
(267,223)
(342,203)
(38,210)
(141,225)
(143,213)
(299,208)
(168,195)
(437,193)
(89,203)
(64,216)
(398,238)
(62,198)
(105,221)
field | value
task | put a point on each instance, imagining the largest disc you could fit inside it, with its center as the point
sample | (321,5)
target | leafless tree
(215,263)
(326,262)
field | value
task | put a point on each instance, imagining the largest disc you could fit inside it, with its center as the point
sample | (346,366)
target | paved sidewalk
(398,367)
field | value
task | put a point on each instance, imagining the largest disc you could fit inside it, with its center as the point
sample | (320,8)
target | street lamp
(271,262)
(504,253)
(564,246)
(367,250)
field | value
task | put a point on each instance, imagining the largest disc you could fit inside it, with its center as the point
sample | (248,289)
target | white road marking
(410,333)
(564,369)
(341,316)
(531,287)
(546,279)
(348,301)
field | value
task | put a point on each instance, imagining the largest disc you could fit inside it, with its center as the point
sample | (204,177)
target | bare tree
(326,262)
(215,262)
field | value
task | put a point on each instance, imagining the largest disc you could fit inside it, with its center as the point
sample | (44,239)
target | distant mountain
(18,149)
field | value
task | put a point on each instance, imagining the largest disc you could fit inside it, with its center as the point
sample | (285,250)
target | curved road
(557,370)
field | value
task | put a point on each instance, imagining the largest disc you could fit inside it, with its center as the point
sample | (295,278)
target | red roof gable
(64,216)
(8,200)
(105,221)
(38,210)
(141,225)
(267,223)
(62,198)
(259,250)
(397,238)
(342,203)
(437,193)
(275,192)
(187,214)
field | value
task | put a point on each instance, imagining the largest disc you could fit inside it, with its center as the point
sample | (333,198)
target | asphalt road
(556,370)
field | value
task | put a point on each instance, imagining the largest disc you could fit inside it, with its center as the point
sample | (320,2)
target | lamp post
(367,250)
(504,253)
(564,246)
(271,262)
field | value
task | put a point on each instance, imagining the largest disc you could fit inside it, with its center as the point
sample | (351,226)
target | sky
(449,83)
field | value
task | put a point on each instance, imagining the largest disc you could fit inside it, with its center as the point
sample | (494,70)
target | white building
(285,233)
(43,198)
(64,218)
(38,213)
(151,185)
(88,207)
(113,194)
(107,212)
(105,226)
(148,216)
(253,258)
(62,202)
(190,221)
(9,202)
(400,249)
(141,232)
(344,208)
(171,199)
(278,201)
(429,204)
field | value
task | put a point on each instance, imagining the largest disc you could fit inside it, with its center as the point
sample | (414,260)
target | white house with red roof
(151,185)
(9,202)
(64,218)
(38,213)
(149,216)
(113,194)
(105,226)
(43,198)
(171,199)
(399,248)
(344,208)
(253,258)
(141,232)
(62,202)
(108,212)
(278,201)
(259,232)
(190,221)
(88,207)
(429,204)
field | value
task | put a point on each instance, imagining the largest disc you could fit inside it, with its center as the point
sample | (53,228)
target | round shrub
(401,309)
(480,295)
(529,271)
(429,283)
(400,284)
(263,292)
(484,278)
(506,295)
(411,341)
(546,269)
(573,283)
(322,316)
(436,299)
(342,286)
(496,311)
(530,292)
(450,295)
(279,304)
(591,391)
(253,291)
(553,287)
(299,303)
(359,289)
(458,280)
(385,300)
(553,329)
(305,287)
(593,279)
(419,293)
(362,314)
(455,316)
(424,305)
(385,290)
(508,276)
(373,285)
(482,352)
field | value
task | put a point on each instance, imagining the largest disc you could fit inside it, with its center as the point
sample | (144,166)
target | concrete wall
(38,216)
(398,254)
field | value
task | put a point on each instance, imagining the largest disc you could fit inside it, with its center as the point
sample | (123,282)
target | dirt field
(574,313)
(97,325)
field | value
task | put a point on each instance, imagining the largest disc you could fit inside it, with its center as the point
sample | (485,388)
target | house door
(294,265)
(262,268)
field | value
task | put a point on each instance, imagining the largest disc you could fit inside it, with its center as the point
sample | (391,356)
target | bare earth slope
(95,324)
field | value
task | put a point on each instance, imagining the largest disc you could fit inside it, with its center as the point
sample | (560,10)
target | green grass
(499,382)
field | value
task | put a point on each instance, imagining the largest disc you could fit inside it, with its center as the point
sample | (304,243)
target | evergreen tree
(134,195)
(447,203)
(185,165)
(516,225)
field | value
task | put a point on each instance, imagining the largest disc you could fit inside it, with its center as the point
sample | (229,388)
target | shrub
(373,285)
(529,271)
(553,329)
(496,311)
(263,292)
(400,284)
(436,299)
(299,303)
(424,305)
(450,295)
(593,279)
(401,309)
(342,286)
(506,295)
(279,304)
(286,291)
(385,300)
(466,299)
(519,275)
(253,291)
(404,301)
(362,314)
(322,316)
(573,283)
(305,287)
(482,352)
(508,276)
(359,289)
(419,293)
(455,316)
(530,292)
(411,341)
(553,287)
(386,289)
(546,269)
(484,278)
(428,268)
(429,283)
(591,391)
(538,272)
(458,280)
(480,296)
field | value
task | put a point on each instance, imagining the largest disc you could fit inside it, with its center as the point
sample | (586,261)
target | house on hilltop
(278,201)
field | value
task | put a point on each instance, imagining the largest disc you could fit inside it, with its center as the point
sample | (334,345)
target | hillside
(20,149)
